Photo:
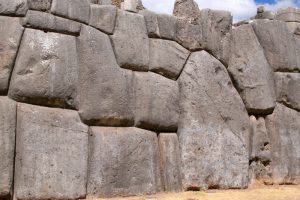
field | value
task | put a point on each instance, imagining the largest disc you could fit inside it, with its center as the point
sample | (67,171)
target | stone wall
(98,101)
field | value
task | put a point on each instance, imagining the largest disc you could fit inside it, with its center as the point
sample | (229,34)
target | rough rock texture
(46,70)
(51,154)
(212,109)
(167,57)
(123,161)
(13,7)
(166,26)
(132,5)
(294,27)
(130,41)
(156,102)
(7,145)
(283,127)
(103,17)
(10,37)
(78,10)
(42,5)
(48,22)
(288,15)
(288,89)
(106,96)
(187,9)
(251,72)
(281,48)
(151,23)
(170,162)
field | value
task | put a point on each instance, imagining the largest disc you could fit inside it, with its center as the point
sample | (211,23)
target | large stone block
(105,90)
(10,37)
(130,41)
(156,102)
(288,14)
(166,26)
(46,70)
(132,5)
(281,48)
(123,162)
(13,7)
(187,9)
(251,72)
(167,57)
(51,154)
(78,10)
(42,5)
(103,17)
(213,127)
(7,145)
(170,162)
(151,23)
(48,22)
(288,89)
(284,129)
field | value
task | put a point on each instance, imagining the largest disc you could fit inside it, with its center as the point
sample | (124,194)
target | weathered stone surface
(251,72)
(46,70)
(10,37)
(151,23)
(265,15)
(167,26)
(294,27)
(105,93)
(288,14)
(103,17)
(51,154)
(132,5)
(170,161)
(288,89)
(260,152)
(215,25)
(13,7)
(284,128)
(48,22)
(78,10)
(167,57)
(130,41)
(156,102)
(281,48)
(123,162)
(212,109)
(187,9)
(42,5)
(7,145)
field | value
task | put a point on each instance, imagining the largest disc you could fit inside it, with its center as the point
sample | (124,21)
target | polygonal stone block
(166,26)
(13,7)
(42,5)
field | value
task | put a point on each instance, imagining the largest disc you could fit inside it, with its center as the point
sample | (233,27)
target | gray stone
(42,5)
(105,2)
(167,57)
(265,15)
(284,128)
(132,5)
(151,23)
(105,90)
(261,9)
(170,162)
(294,27)
(130,41)
(251,72)
(10,37)
(281,48)
(49,22)
(103,17)
(7,145)
(212,109)
(78,10)
(13,7)
(288,15)
(187,9)
(288,89)
(51,154)
(46,70)
(156,102)
(123,162)
(215,25)
(167,26)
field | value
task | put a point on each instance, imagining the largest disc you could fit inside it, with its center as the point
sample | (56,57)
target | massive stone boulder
(284,129)
(42,5)
(130,41)
(105,90)
(10,37)
(213,127)
(7,146)
(280,46)
(251,72)
(288,89)
(289,14)
(51,154)
(13,7)
(122,162)
(46,70)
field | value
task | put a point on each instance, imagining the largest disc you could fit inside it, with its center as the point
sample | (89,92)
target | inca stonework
(103,98)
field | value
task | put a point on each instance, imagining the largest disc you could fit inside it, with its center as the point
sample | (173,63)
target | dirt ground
(257,193)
